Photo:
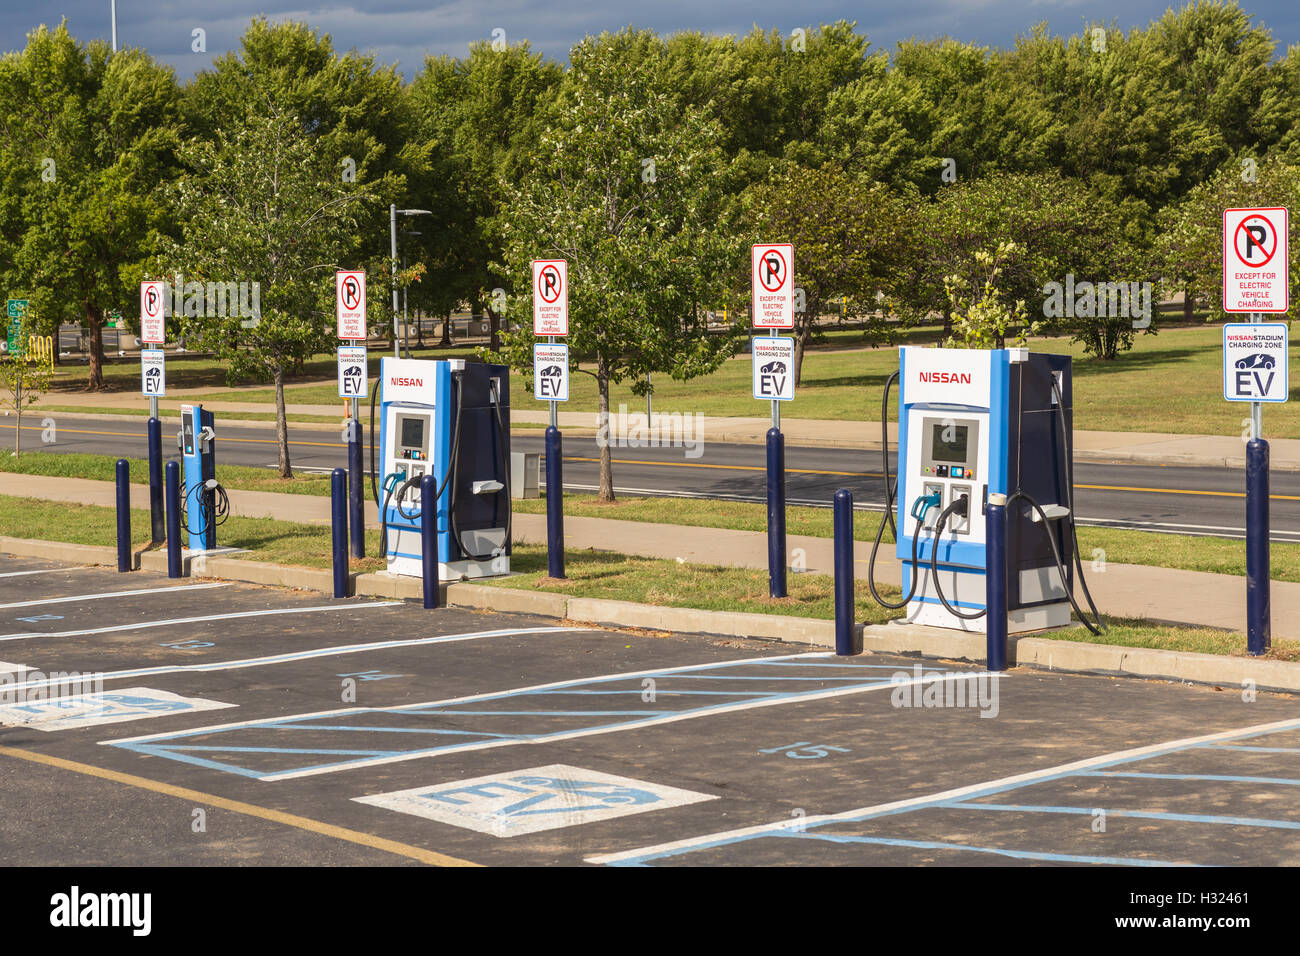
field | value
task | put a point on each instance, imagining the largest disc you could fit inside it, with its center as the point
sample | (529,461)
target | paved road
(1157,498)
(244,725)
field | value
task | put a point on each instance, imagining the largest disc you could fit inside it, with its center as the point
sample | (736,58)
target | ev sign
(153,373)
(773,367)
(151,313)
(350,302)
(550,297)
(1255,260)
(1255,362)
(773,286)
(352,371)
(550,372)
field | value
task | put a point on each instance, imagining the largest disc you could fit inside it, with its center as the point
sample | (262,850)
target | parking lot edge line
(101,595)
(983,788)
(20,574)
(430,857)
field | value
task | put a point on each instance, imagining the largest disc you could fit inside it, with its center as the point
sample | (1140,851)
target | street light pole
(113,9)
(392,227)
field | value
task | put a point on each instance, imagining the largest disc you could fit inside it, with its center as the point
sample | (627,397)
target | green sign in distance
(17,308)
(17,311)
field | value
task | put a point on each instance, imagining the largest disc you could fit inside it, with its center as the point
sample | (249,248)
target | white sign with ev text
(550,372)
(153,372)
(1255,362)
(773,367)
(352,371)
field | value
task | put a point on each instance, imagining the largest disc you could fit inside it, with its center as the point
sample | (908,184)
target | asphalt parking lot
(248,725)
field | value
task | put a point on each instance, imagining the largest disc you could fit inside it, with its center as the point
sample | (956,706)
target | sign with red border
(550,297)
(1256,260)
(350,304)
(773,285)
(152,330)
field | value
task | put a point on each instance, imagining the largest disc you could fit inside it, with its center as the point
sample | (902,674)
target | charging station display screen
(413,432)
(948,443)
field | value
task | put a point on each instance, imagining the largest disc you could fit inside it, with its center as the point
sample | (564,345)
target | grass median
(1134,632)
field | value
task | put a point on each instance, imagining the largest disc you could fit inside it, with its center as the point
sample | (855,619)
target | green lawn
(1170,382)
(1131,632)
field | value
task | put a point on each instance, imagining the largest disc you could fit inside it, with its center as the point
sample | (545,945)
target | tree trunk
(95,324)
(281,426)
(947,326)
(446,330)
(1187,305)
(801,338)
(603,437)
(18,407)
(494,324)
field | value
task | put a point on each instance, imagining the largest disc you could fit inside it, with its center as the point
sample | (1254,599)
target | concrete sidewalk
(1121,590)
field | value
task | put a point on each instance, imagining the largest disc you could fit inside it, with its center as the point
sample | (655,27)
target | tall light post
(113,14)
(393,213)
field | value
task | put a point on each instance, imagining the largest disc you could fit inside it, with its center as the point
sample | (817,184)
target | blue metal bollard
(172,483)
(157,516)
(123,515)
(339,527)
(429,541)
(995,581)
(1259,627)
(356,490)
(775,513)
(554,502)
(846,642)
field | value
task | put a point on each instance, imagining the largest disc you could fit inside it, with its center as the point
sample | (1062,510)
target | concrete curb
(893,638)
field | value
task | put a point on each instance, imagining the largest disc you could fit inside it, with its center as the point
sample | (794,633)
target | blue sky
(405,31)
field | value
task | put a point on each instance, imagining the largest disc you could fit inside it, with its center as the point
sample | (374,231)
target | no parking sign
(1256,260)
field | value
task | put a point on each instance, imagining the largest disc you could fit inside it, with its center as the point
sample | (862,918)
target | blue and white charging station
(974,423)
(197,443)
(449,419)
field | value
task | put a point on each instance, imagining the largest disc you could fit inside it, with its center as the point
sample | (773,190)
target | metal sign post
(550,292)
(1256,279)
(772,307)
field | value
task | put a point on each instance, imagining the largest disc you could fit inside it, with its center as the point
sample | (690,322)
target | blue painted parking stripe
(143,625)
(1141,814)
(997,851)
(971,791)
(165,744)
(271,659)
(1225,778)
(103,595)
(1260,750)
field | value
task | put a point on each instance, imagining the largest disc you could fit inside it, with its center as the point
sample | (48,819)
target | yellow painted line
(1184,491)
(238,806)
(232,441)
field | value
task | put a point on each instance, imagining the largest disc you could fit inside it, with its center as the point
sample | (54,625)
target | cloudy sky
(405,31)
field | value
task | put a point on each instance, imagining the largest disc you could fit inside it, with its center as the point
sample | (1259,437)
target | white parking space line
(141,625)
(101,595)
(969,791)
(292,657)
(19,574)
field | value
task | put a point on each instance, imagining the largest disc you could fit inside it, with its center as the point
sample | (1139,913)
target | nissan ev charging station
(974,423)
(448,419)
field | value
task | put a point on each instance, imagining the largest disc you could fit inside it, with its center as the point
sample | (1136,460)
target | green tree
(848,238)
(86,141)
(24,373)
(262,203)
(626,187)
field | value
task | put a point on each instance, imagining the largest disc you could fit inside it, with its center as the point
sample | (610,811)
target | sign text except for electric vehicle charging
(152,330)
(153,372)
(1255,362)
(550,297)
(1256,260)
(550,372)
(350,303)
(773,367)
(352,371)
(773,286)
